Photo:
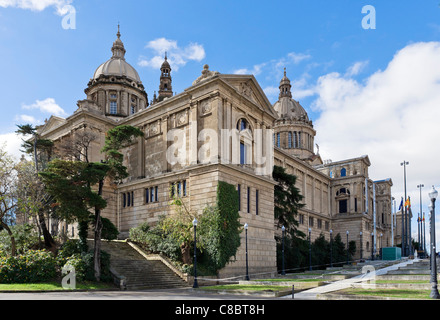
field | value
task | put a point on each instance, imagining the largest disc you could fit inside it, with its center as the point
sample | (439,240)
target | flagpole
(405,249)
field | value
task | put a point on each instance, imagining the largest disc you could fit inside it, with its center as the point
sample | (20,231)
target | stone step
(140,273)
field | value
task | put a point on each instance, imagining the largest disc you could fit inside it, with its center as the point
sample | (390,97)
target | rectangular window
(147,195)
(133,109)
(124,200)
(256,201)
(128,199)
(310,221)
(239,197)
(249,200)
(355,204)
(179,189)
(132,198)
(301,219)
(319,224)
(278,140)
(155,194)
(242,153)
(113,107)
(152,198)
(184,188)
(290,140)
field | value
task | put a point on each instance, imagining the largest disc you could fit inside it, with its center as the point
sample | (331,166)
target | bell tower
(165,87)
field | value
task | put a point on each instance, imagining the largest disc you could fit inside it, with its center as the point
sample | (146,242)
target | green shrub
(26,237)
(32,266)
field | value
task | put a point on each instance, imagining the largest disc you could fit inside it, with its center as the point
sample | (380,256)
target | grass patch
(289,280)
(245,287)
(392,293)
(53,286)
(402,281)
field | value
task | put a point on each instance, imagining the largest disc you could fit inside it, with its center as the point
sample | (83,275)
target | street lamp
(331,248)
(246,227)
(360,234)
(347,247)
(283,229)
(310,249)
(381,235)
(195,285)
(434,291)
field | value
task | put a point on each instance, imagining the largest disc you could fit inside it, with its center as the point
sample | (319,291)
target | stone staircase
(137,272)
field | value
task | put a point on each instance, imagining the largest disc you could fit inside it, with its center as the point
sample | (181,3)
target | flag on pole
(401,204)
(408,203)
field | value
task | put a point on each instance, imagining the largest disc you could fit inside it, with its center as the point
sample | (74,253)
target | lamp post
(360,234)
(283,229)
(434,291)
(424,234)
(347,247)
(195,285)
(331,248)
(246,227)
(404,217)
(310,249)
(372,246)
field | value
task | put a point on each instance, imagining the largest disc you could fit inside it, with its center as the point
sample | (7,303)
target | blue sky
(374,91)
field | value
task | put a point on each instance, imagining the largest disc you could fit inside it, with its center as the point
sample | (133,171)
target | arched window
(242,125)
(343,172)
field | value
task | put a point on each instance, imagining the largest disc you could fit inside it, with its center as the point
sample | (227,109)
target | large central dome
(117,66)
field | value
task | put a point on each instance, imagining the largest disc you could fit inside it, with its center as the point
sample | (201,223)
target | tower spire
(285,86)
(165,86)
(118,49)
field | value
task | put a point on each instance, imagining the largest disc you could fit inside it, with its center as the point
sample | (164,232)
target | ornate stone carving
(206,73)
(206,107)
(246,90)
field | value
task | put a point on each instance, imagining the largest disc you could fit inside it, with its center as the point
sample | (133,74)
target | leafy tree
(78,186)
(287,200)
(45,148)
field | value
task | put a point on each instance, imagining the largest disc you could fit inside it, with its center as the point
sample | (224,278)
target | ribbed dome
(288,108)
(117,66)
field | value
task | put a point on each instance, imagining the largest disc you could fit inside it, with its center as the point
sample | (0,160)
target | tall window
(257,196)
(242,153)
(343,172)
(239,197)
(113,107)
(290,140)
(249,200)
(278,140)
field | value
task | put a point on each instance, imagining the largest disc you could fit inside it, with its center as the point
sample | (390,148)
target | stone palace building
(223,128)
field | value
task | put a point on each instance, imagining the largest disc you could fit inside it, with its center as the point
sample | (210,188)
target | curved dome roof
(116,65)
(291,109)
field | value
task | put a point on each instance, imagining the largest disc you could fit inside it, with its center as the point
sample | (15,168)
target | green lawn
(52,286)
(246,287)
(289,280)
(393,293)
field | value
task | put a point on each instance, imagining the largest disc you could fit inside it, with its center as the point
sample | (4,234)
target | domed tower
(294,131)
(165,87)
(116,88)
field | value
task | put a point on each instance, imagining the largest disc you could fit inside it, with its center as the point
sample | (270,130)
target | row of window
(151,194)
(301,219)
(294,140)
(248,193)
(114,104)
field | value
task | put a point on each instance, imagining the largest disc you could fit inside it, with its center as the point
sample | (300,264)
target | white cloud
(356,68)
(177,56)
(27,119)
(393,115)
(12,143)
(274,68)
(37,5)
(48,106)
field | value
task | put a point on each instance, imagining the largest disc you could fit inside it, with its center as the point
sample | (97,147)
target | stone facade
(222,128)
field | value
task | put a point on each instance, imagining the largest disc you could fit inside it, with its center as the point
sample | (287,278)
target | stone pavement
(369,272)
